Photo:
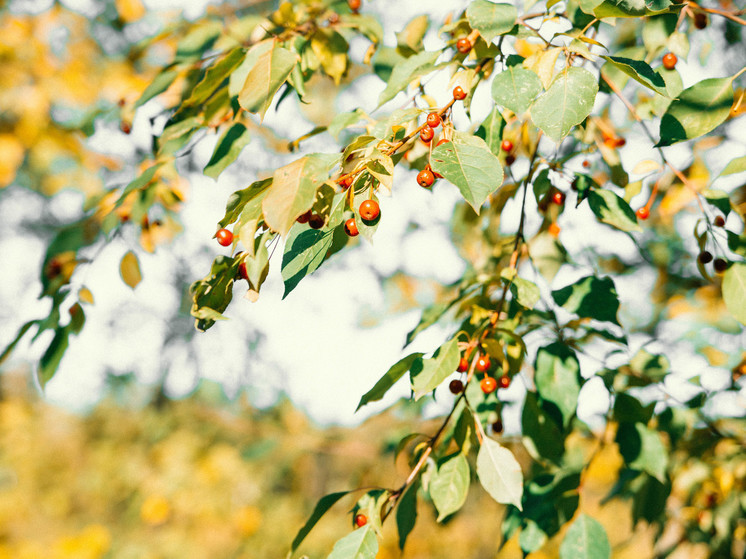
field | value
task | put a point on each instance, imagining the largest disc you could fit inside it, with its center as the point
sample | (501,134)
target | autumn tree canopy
(599,163)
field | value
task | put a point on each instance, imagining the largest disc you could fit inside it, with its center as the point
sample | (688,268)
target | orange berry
(360,519)
(643,213)
(425,178)
(669,61)
(433,120)
(463,365)
(488,385)
(463,45)
(554,230)
(351,227)
(369,210)
(558,198)
(506,145)
(426,134)
(354,5)
(458,93)
(224,237)
(483,363)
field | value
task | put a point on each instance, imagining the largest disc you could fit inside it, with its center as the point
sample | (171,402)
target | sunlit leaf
(449,485)
(567,102)
(586,539)
(516,88)
(129,269)
(590,297)
(263,80)
(360,544)
(407,70)
(558,378)
(427,374)
(490,19)
(734,291)
(641,72)
(499,473)
(228,148)
(395,372)
(612,210)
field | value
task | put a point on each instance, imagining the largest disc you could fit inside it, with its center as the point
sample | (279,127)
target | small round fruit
(506,145)
(586,163)
(458,93)
(463,365)
(316,221)
(669,61)
(483,363)
(720,221)
(720,265)
(705,257)
(425,178)
(456,386)
(333,18)
(354,4)
(643,213)
(243,271)
(303,218)
(426,134)
(224,237)
(504,381)
(441,142)
(125,127)
(369,210)
(620,142)
(488,385)
(497,426)
(700,20)
(463,45)
(433,120)
(360,519)
(351,227)
(558,198)
(346,181)
(554,230)
(509,159)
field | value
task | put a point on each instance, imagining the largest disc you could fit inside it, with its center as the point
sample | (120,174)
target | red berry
(558,198)
(369,210)
(351,227)
(346,181)
(243,271)
(125,127)
(426,134)
(360,519)
(441,142)
(497,426)
(316,221)
(458,93)
(643,213)
(463,45)
(483,363)
(463,365)
(504,381)
(224,237)
(456,386)
(506,145)
(620,142)
(705,257)
(720,221)
(586,163)
(433,120)
(509,159)
(425,178)
(488,385)
(354,5)
(303,218)
(720,265)
(669,61)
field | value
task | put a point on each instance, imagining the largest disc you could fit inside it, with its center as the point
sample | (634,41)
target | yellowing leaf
(129,269)
(270,71)
(543,63)
(85,295)
(646,166)
(130,10)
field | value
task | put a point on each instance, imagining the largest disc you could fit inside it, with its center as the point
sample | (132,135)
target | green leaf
(737,243)
(532,537)
(270,71)
(467,162)
(516,88)
(590,297)
(52,357)
(319,510)
(215,76)
(228,148)
(427,374)
(567,102)
(630,8)
(718,198)
(160,84)
(305,251)
(395,372)
(641,72)
(199,38)
(558,378)
(628,409)
(491,130)
(449,486)
(359,544)
(140,182)
(499,473)
(734,291)
(585,539)
(407,70)
(342,121)
(406,513)
(238,201)
(642,449)
(542,435)
(294,188)
(212,294)
(612,210)
(11,346)
(330,47)
(525,292)
(737,165)
(491,20)
(698,110)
